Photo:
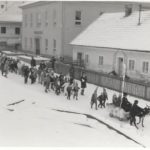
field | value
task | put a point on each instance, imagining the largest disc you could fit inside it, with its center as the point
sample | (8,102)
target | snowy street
(45,46)
(35,121)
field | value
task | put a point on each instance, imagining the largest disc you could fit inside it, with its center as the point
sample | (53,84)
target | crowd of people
(44,74)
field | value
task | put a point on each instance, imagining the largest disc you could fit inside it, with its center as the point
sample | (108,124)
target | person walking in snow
(33,75)
(83,83)
(47,82)
(26,72)
(53,60)
(94,99)
(6,67)
(3,60)
(69,90)
(19,66)
(104,97)
(75,91)
(33,62)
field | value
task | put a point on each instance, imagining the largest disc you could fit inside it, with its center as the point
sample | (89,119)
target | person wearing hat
(126,105)
(33,62)
(94,98)
(105,96)
(134,110)
(83,80)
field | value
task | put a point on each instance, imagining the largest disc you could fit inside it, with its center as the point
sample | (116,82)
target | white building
(10,24)
(114,39)
(49,26)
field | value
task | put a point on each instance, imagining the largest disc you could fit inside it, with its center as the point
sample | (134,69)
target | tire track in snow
(104,123)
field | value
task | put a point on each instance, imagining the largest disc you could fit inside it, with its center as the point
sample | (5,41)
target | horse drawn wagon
(123,110)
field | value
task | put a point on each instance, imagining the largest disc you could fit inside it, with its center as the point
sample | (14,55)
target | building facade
(114,43)
(10,34)
(10,24)
(49,27)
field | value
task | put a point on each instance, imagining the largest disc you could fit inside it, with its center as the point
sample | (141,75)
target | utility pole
(140,9)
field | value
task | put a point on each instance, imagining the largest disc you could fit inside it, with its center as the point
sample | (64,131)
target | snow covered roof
(11,18)
(34,3)
(113,30)
(11,12)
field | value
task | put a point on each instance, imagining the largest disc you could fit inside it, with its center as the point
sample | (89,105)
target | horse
(141,113)
(127,106)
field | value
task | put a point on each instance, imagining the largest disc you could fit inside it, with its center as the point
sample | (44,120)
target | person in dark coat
(94,99)
(42,65)
(83,83)
(75,91)
(126,105)
(33,75)
(33,62)
(104,97)
(47,82)
(134,110)
(3,60)
(26,74)
(53,60)
(69,89)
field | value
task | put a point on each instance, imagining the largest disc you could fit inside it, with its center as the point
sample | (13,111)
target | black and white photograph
(75,74)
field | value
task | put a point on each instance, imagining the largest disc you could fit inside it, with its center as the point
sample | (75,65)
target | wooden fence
(134,88)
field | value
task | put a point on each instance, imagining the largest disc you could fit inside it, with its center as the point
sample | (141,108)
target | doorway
(120,66)
(79,58)
(37,46)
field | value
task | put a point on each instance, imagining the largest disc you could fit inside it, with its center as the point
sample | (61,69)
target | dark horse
(141,113)
(127,107)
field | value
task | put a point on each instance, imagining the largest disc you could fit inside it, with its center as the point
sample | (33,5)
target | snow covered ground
(36,58)
(36,121)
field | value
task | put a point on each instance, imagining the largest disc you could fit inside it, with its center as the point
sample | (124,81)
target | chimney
(128,10)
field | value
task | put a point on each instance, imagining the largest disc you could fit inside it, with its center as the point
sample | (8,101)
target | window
(86,58)
(101,60)
(54,45)
(54,16)
(31,20)
(17,30)
(46,44)
(78,17)
(3,30)
(31,43)
(38,19)
(131,65)
(46,18)
(145,67)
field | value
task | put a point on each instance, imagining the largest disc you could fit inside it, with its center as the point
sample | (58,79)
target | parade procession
(74,73)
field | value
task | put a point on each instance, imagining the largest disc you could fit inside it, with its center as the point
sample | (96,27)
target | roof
(11,13)
(11,18)
(113,30)
(34,3)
